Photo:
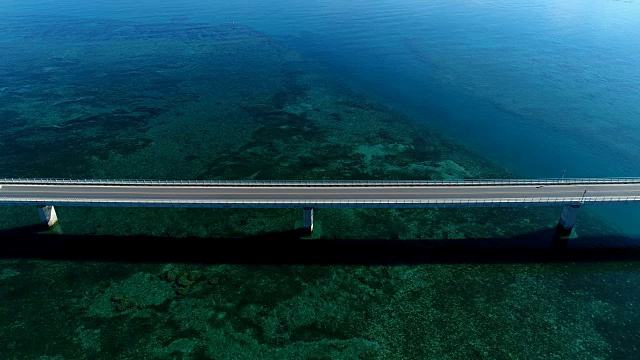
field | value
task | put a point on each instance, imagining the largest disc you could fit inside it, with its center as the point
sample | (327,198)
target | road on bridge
(53,194)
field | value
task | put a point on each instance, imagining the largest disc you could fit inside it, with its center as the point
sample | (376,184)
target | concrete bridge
(307,195)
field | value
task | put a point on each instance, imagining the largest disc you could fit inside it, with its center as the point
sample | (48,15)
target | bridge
(307,195)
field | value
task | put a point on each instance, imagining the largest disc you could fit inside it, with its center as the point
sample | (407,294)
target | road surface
(315,196)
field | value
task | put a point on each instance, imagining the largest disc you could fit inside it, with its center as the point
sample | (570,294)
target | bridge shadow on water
(291,247)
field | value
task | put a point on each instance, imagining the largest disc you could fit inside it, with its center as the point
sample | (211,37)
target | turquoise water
(318,90)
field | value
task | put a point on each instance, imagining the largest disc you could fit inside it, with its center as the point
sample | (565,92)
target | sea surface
(277,89)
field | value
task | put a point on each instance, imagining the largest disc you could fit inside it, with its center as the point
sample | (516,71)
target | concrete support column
(308,219)
(48,215)
(567,220)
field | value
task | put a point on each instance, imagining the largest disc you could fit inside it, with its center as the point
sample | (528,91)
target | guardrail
(355,203)
(465,182)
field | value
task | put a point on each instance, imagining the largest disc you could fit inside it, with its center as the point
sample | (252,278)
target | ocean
(319,90)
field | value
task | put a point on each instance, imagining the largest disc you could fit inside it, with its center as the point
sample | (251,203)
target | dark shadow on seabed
(290,247)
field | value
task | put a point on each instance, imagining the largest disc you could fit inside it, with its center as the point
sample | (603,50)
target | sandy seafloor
(110,99)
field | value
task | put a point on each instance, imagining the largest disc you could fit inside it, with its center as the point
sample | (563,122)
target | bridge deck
(319,196)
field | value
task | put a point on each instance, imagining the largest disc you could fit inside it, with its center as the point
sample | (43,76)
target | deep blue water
(538,87)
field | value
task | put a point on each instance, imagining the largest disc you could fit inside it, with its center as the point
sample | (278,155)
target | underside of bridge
(564,228)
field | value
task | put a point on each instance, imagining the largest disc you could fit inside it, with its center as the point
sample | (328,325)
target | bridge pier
(567,220)
(308,219)
(48,215)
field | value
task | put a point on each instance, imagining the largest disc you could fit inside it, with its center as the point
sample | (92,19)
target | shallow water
(318,90)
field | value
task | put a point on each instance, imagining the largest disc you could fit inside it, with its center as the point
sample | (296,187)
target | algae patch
(7,273)
(443,170)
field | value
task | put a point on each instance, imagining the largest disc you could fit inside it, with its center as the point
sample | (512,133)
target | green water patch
(323,311)
(102,101)
(74,148)
(11,118)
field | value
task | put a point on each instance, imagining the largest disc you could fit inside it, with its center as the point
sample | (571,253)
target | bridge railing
(316,202)
(463,182)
